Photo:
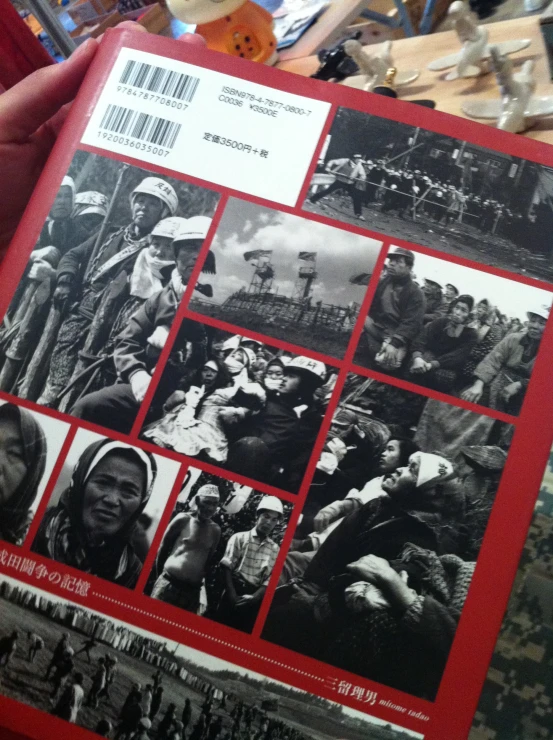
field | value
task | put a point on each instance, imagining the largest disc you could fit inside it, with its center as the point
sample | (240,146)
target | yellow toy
(237,27)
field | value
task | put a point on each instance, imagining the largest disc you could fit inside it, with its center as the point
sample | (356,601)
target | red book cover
(274,407)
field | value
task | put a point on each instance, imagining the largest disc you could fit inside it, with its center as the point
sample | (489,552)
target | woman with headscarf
(91,527)
(22,464)
(488,335)
(196,427)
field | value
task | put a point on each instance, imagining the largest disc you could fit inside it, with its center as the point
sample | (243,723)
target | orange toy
(237,27)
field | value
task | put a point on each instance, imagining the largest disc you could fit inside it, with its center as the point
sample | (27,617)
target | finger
(193,38)
(30,103)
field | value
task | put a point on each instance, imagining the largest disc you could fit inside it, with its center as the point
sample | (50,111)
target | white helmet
(91,201)
(270,503)
(193,228)
(159,189)
(542,311)
(168,226)
(308,365)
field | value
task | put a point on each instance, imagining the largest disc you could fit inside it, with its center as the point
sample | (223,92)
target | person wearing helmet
(275,445)
(89,211)
(138,346)
(395,317)
(247,566)
(506,370)
(91,527)
(187,552)
(95,277)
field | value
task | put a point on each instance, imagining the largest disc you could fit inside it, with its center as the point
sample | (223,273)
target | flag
(307,256)
(361,279)
(255,254)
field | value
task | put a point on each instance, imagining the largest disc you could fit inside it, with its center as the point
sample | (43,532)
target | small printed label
(228,131)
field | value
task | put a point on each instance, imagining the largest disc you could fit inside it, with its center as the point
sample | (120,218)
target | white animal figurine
(517,110)
(475,50)
(373,69)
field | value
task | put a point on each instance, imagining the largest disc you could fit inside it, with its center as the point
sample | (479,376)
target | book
(274,407)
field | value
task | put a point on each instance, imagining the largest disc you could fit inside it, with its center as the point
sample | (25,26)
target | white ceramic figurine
(518,109)
(469,62)
(373,68)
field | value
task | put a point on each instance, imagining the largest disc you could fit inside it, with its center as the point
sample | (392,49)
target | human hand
(474,392)
(158,337)
(175,399)
(139,384)
(388,356)
(511,390)
(324,519)
(419,366)
(31,115)
(62,292)
(41,270)
(243,600)
(372,569)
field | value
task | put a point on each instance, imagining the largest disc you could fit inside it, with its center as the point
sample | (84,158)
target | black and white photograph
(219,550)
(102,285)
(454,329)
(30,444)
(288,277)
(241,404)
(105,508)
(123,682)
(463,199)
(382,559)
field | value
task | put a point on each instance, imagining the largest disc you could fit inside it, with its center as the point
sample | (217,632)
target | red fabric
(20,52)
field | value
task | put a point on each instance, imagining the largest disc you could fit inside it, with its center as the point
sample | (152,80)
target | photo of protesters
(241,404)
(218,553)
(287,277)
(104,251)
(410,183)
(101,520)
(378,584)
(29,446)
(137,347)
(480,346)
(202,696)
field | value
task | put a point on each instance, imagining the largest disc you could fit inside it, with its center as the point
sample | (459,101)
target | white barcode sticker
(209,125)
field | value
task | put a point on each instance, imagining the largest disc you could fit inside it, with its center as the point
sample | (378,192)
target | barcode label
(141,126)
(159,80)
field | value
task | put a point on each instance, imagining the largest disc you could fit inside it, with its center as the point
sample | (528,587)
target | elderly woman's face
(13,467)
(112,495)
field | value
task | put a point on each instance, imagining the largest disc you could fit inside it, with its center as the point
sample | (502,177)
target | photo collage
(291,422)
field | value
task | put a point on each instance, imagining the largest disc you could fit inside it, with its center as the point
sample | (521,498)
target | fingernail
(83,49)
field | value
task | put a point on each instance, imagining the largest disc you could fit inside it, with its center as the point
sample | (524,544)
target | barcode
(159,80)
(141,126)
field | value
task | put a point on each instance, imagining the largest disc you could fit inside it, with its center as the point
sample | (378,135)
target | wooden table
(419,51)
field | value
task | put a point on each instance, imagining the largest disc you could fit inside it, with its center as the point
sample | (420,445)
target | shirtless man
(186,552)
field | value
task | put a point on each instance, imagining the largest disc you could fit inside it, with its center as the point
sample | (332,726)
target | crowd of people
(115,293)
(382,558)
(246,406)
(413,193)
(144,713)
(236,564)
(443,339)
